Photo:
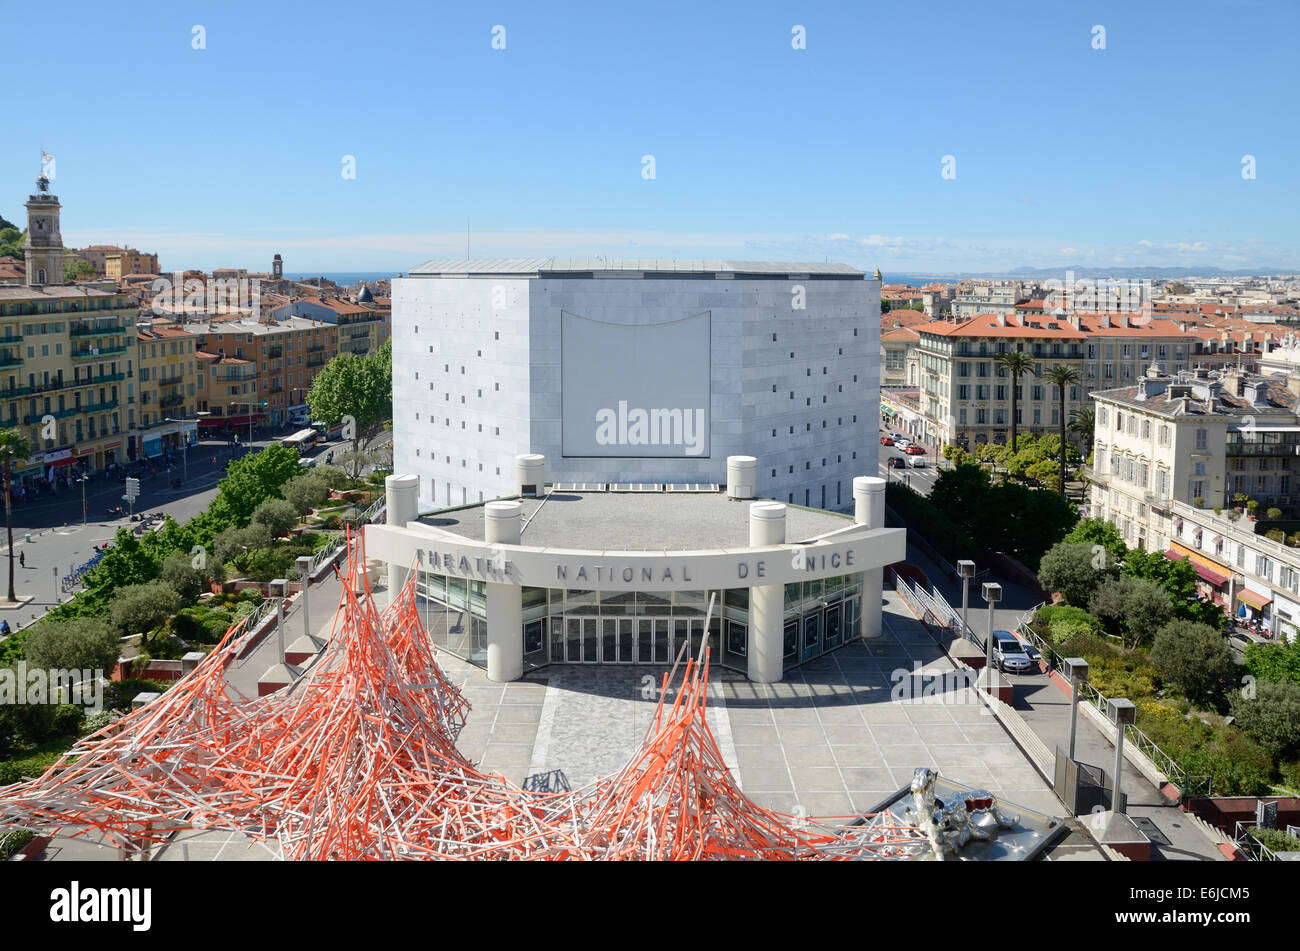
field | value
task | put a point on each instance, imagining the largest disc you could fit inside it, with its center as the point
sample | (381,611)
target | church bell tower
(44,248)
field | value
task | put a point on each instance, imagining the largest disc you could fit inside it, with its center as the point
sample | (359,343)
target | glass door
(581,645)
(609,640)
(834,631)
(626,641)
(644,640)
(812,635)
(662,640)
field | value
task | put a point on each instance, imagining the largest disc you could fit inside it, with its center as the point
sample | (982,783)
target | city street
(921,479)
(59,541)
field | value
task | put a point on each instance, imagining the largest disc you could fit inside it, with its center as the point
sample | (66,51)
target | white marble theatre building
(635,372)
(560,575)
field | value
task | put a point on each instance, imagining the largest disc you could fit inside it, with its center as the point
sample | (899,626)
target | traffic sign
(132,490)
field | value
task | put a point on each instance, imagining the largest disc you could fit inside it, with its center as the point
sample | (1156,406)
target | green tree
(252,480)
(76,269)
(1272,717)
(227,546)
(1063,376)
(360,387)
(1098,531)
(277,515)
(1083,423)
(1015,363)
(332,476)
(139,608)
(354,462)
(1279,663)
(127,562)
(1192,657)
(178,571)
(305,492)
(12,241)
(81,644)
(1131,608)
(1075,570)
(1176,577)
(14,449)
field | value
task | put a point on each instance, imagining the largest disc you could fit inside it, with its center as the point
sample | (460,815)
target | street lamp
(966,569)
(1124,713)
(252,405)
(304,566)
(1076,668)
(185,450)
(992,594)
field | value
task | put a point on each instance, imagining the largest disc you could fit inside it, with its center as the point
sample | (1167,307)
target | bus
(302,440)
(328,433)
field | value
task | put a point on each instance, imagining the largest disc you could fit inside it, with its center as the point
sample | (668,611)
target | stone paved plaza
(829,740)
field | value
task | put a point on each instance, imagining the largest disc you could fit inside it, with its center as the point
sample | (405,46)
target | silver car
(1009,653)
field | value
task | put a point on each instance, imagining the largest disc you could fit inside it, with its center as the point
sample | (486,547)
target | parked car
(914,450)
(896,436)
(897,462)
(307,462)
(886,440)
(902,443)
(1009,652)
(916,462)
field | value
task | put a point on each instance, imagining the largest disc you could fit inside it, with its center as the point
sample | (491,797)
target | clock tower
(44,247)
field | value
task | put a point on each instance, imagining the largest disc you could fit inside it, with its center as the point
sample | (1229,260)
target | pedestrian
(22,559)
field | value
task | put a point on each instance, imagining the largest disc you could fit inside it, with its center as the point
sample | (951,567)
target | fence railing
(934,604)
(1198,785)
(1250,845)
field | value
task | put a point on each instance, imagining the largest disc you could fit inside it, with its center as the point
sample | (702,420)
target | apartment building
(120,264)
(989,297)
(279,359)
(1172,455)
(1202,438)
(899,363)
(966,395)
(168,365)
(360,327)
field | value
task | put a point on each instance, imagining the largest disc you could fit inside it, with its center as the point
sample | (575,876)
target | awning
(1199,559)
(62,462)
(1202,572)
(1256,601)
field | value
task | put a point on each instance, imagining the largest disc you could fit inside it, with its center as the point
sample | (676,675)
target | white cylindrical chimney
(530,474)
(501,523)
(742,477)
(766,524)
(403,499)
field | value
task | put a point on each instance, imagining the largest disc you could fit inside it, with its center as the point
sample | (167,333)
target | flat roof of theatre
(638,268)
(638,521)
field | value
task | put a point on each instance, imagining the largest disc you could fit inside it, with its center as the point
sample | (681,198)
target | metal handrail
(1198,785)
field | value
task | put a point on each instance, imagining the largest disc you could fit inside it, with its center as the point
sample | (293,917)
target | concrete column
(766,602)
(503,525)
(869,510)
(402,497)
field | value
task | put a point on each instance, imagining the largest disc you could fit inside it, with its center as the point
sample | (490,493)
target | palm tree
(1015,363)
(13,448)
(1062,375)
(1083,423)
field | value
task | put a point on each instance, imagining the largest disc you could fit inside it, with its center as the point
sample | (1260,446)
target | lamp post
(304,566)
(82,479)
(185,450)
(992,594)
(966,569)
(251,406)
(1123,712)
(1076,668)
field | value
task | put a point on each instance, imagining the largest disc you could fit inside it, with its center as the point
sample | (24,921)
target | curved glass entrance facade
(584,626)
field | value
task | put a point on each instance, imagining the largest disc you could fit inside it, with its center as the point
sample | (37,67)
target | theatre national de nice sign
(445,554)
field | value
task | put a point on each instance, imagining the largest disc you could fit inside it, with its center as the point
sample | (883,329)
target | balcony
(169,401)
(9,360)
(319,348)
(98,353)
(1262,449)
(99,407)
(31,419)
(101,331)
(274,353)
(172,381)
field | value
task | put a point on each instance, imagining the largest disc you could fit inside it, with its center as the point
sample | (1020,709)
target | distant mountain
(1087,273)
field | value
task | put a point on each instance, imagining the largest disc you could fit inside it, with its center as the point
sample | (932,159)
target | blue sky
(1064,154)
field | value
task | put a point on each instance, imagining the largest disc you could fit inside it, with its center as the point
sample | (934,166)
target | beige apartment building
(966,395)
(1199,439)
(168,366)
(129,261)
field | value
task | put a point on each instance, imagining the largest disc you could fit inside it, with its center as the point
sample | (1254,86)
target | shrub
(178,571)
(11,841)
(139,608)
(94,722)
(167,648)
(1076,570)
(1275,839)
(277,515)
(1271,717)
(251,595)
(81,644)
(67,720)
(31,764)
(1092,647)
(1131,607)
(1290,772)
(1273,514)
(1193,657)
(1276,534)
